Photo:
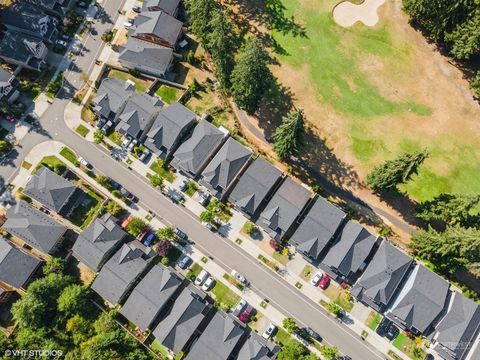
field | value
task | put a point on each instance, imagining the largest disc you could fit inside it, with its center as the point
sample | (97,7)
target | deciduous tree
(136,226)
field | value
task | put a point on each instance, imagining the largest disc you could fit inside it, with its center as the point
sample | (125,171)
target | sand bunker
(346,14)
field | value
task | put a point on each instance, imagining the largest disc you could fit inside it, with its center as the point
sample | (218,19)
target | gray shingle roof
(49,189)
(225,166)
(38,230)
(222,335)
(193,153)
(382,276)
(421,300)
(169,6)
(178,326)
(157,23)
(16,266)
(58,6)
(317,229)
(138,114)
(118,273)
(254,185)
(168,128)
(111,96)
(284,207)
(150,296)
(5,77)
(257,348)
(350,252)
(457,331)
(22,48)
(97,240)
(146,56)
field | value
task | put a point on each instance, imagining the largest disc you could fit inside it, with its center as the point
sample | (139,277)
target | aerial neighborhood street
(145,214)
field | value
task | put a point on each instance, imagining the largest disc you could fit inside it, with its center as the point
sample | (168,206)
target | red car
(324,282)
(126,222)
(244,316)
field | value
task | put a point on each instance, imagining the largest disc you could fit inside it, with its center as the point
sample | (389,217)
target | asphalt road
(266,283)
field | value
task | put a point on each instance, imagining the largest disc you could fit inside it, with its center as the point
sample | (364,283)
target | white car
(126,141)
(107,125)
(201,277)
(84,162)
(132,145)
(127,24)
(61,43)
(239,277)
(144,155)
(208,284)
(269,331)
(316,279)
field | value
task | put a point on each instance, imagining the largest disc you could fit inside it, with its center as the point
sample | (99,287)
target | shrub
(165,261)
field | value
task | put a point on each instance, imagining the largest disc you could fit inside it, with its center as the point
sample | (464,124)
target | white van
(201,277)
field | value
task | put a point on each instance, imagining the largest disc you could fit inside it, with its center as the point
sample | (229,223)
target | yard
(141,83)
(403,343)
(340,297)
(368,93)
(224,296)
(82,130)
(52,162)
(70,155)
(84,213)
(163,170)
(168,94)
(87,113)
(32,83)
(373,320)
(193,272)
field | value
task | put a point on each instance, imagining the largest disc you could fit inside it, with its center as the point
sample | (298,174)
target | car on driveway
(245,315)
(269,331)
(183,185)
(204,198)
(149,239)
(145,154)
(202,276)
(126,222)
(126,142)
(61,43)
(383,327)
(316,279)
(84,162)
(239,308)
(184,262)
(392,332)
(324,282)
(132,145)
(208,284)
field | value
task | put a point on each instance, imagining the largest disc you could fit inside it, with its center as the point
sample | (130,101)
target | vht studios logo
(33,353)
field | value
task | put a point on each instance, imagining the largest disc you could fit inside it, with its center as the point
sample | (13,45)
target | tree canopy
(451,209)
(251,77)
(289,136)
(387,176)
(136,226)
(200,14)
(290,324)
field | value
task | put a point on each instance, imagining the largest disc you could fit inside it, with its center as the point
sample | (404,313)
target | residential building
(57,8)
(157,27)
(138,115)
(284,208)
(53,191)
(192,156)
(111,97)
(421,301)
(457,331)
(120,273)
(221,339)
(224,168)
(36,229)
(30,20)
(8,87)
(382,277)
(168,129)
(317,230)
(257,348)
(24,50)
(16,266)
(179,327)
(96,244)
(349,256)
(168,6)
(146,57)
(254,187)
(153,293)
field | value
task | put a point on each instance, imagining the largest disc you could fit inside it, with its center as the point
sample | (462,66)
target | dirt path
(346,13)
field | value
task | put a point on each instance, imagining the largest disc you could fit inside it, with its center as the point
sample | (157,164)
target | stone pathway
(346,13)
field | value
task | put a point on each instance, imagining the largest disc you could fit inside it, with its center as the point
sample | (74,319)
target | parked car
(180,234)
(204,198)
(132,145)
(209,226)
(82,4)
(66,38)
(61,43)
(137,9)
(239,308)
(100,123)
(201,277)
(245,315)
(142,234)
(324,282)
(84,162)
(184,262)
(113,183)
(239,277)
(144,155)
(183,185)
(301,339)
(313,334)
(126,141)
(126,222)
(208,284)
(269,331)
(316,279)
(176,197)
(127,24)
(392,332)
(149,239)
(107,125)
(383,327)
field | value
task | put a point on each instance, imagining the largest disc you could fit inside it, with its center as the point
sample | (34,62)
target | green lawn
(194,271)
(70,155)
(50,162)
(82,130)
(224,295)
(168,94)
(373,320)
(158,347)
(141,84)
(32,83)
(282,336)
(403,343)
(113,135)
(281,258)
(83,214)
(191,188)
(160,169)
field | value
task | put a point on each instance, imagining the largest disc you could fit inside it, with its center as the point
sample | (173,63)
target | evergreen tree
(451,209)
(289,136)
(251,77)
(397,171)
(200,14)
(222,44)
